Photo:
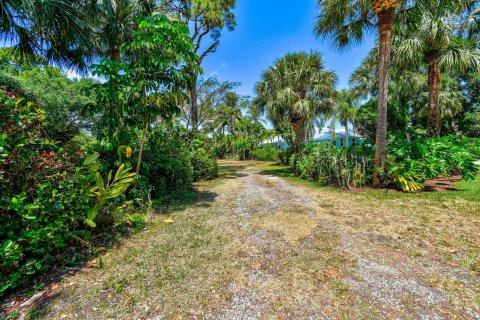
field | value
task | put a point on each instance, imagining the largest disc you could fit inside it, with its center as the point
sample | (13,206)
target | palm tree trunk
(298,129)
(115,54)
(346,134)
(354,134)
(433,124)
(142,143)
(385,21)
(194,107)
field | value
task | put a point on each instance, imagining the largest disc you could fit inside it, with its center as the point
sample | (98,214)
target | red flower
(59,164)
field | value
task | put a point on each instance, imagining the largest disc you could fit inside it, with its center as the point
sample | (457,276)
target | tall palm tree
(451,100)
(297,89)
(436,43)
(115,22)
(53,29)
(344,112)
(347,22)
(228,113)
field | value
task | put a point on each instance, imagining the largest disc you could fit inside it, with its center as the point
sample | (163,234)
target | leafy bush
(45,194)
(166,165)
(409,163)
(202,157)
(344,167)
(204,165)
(266,153)
(421,159)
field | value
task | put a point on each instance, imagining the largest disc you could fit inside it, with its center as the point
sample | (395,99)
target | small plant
(110,188)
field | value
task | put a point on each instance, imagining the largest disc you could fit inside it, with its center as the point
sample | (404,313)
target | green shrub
(166,165)
(409,163)
(344,167)
(45,194)
(266,153)
(432,158)
(204,165)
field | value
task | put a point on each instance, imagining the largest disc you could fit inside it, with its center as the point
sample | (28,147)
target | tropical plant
(62,99)
(146,88)
(104,190)
(115,22)
(44,193)
(343,167)
(56,30)
(436,41)
(347,22)
(343,113)
(207,19)
(296,89)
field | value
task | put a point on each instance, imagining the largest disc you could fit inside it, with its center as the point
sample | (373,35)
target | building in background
(338,140)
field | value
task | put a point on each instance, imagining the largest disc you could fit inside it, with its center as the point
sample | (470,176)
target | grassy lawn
(428,223)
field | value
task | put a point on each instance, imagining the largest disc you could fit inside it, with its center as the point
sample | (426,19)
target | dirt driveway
(255,246)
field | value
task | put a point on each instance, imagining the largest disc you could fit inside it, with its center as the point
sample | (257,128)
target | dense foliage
(409,163)
(49,194)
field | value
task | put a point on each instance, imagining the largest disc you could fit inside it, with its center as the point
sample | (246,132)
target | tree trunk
(298,129)
(433,124)
(354,134)
(346,134)
(385,21)
(115,54)
(194,107)
(142,143)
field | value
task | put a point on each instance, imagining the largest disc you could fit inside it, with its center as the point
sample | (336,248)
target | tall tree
(344,112)
(207,19)
(210,95)
(54,29)
(160,57)
(347,22)
(115,22)
(436,41)
(297,89)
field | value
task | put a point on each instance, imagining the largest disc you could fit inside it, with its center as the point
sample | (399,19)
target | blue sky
(268,29)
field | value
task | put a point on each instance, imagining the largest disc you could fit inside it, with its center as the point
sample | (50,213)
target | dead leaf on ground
(256,266)
(454,250)
(331,273)
(167,221)
(453,263)
(92,264)
(55,286)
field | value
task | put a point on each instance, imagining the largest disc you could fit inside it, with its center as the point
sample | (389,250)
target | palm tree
(451,100)
(53,29)
(347,21)
(344,112)
(297,89)
(228,113)
(115,22)
(436,42)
